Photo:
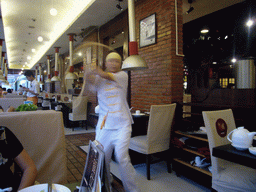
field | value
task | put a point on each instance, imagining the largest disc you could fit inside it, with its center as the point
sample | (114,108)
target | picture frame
(148,31)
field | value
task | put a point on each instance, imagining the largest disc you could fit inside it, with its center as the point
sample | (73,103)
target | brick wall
(162,82)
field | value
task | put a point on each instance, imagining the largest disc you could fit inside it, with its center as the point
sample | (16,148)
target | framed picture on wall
(148,31)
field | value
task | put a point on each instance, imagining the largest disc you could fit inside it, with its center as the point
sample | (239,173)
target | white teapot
(241,138)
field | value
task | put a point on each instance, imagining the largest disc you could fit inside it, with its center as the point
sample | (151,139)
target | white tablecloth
(42,135)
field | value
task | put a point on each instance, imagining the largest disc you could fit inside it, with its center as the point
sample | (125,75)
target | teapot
(241,138)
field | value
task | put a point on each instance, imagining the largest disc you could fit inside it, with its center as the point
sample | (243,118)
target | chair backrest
(218,124)
(159,127)
(7,102)
(79,106)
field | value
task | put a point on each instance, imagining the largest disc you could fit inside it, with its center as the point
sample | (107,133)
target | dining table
(229,153)
(139,126)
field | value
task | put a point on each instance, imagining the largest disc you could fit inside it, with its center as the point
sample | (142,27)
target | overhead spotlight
(118,6)
(53,12)
(190,10)
(40,38)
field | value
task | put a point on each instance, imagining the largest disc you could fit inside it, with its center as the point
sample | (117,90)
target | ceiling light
(233,60)
(134,61)
(33,50)
(204,30)
(40,38)
(249,23)
(118,6)
(53,12)
(28,57)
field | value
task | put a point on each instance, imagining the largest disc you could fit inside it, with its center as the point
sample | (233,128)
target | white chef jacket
(34,86)
(112,98)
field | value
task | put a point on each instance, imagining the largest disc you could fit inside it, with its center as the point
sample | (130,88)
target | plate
(44,188)
(252,150)
(141,114)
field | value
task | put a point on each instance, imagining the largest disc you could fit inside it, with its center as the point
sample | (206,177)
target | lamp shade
(48,80)
(71,76)
(134,62)
(55,78)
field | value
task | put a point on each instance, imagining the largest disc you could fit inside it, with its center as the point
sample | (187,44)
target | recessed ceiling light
(40,38)
(53,12)
(33,50)
(28,57)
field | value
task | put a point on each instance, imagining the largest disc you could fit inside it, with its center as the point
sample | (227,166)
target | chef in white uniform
(113,129)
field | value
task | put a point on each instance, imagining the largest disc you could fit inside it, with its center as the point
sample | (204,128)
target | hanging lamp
(48,69)
(56,72)
(2,78)
(6,72)
(40,74)
(134,61)
(1,65)
(36,74)
(71,75)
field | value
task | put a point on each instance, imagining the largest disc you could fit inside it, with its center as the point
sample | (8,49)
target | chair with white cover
(79,110)
(226,176)
(158,134)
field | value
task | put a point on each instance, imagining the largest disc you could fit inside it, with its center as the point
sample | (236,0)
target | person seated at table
(34,89)
(20,90)
(11,109)
(11,150)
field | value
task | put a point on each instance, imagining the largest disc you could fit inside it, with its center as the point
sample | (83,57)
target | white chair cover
(79,109)
(42,135)
(159,130)
(226,176)
(5,103)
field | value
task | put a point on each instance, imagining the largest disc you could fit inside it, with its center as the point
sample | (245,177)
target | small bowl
(252,150)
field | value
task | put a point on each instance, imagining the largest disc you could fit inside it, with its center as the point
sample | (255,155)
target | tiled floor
(76,158)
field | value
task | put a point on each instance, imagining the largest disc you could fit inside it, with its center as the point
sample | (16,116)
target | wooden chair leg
(148,166)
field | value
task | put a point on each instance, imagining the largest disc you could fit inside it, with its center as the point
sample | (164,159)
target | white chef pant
(119,140)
